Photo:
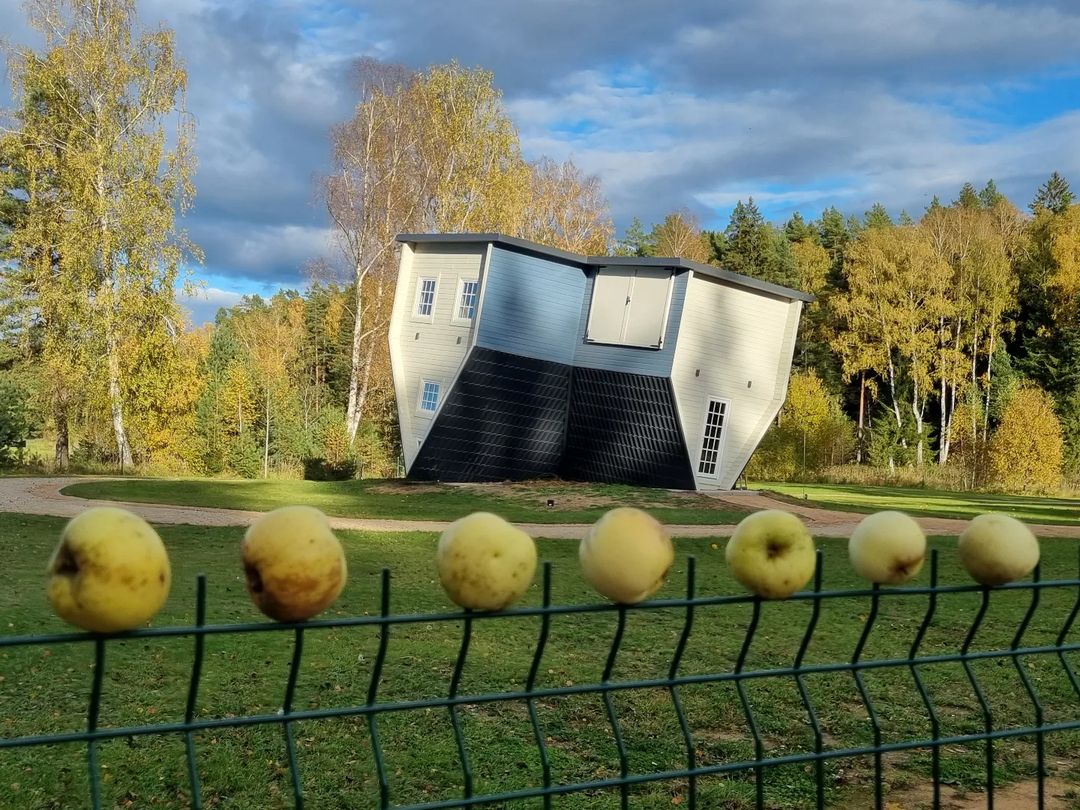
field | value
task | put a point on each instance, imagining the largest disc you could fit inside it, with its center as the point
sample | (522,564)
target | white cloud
(202,304)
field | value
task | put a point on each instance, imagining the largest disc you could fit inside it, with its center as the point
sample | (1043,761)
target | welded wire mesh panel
(769,740)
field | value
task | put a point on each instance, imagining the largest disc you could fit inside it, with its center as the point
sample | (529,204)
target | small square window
(467,297)
(425,297)
(429,396)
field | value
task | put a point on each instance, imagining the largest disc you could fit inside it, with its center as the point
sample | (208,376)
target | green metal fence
(1016,655)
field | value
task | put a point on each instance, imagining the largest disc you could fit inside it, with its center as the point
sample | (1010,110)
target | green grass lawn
(394,499)
(931,503)
(45,689)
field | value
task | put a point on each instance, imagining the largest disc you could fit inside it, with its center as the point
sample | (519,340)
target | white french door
(712,438)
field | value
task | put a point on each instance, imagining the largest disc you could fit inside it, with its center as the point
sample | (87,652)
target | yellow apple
(485,563)
(294,564)
(110,572)
(626,555)
(996,549)
(771,553)
(887,548)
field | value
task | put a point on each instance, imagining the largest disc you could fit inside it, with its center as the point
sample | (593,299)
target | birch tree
(105,142)
(891,315)
(378,187)
(566,209)
(435,152)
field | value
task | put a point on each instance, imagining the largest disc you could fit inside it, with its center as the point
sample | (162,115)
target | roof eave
(537,249)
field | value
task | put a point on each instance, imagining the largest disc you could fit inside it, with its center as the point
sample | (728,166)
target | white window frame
(456,318)
(420,409)
(715,474)
(416,316)
(626,314)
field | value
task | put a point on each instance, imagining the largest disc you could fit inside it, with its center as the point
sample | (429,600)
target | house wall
(430,348)
(730,337)
(531,306)
(654,362)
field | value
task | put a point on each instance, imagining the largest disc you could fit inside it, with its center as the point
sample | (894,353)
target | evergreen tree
(636,241)
(717,245)
(798,230)
(990,196)
(1053,195)
(835,238)
(968,198)
(934,205)
(877,217)
(746,240)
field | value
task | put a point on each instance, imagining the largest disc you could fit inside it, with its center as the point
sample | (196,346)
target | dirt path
(41,496)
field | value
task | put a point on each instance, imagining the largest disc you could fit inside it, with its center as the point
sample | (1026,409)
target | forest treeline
(943,346)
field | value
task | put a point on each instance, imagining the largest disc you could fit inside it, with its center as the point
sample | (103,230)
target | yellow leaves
(679,235)
(1026,450)
(1064,281)
(565,209)
(898,294)
(812,262)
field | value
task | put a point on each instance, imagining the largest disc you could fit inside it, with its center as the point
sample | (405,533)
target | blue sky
(696,104)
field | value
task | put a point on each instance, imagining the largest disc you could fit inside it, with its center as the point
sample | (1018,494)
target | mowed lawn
(396,499)
(44,689)
(931,503)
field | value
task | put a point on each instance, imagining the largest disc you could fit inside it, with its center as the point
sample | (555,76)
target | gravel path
(41,496)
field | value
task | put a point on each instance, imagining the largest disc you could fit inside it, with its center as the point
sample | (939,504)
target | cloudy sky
(696,103)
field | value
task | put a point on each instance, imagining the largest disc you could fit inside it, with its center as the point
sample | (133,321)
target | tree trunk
(916,411)
(356,403)
(266,439)
(373,344)
(989,369)
(116,405)
(943,435)
(109,281)
(862,415)
(62,457)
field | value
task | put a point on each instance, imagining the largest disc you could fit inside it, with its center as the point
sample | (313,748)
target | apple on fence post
(110,571)
(771,553)
(887,548)
(294,564)
(626,555)
(996,549)
(484,562)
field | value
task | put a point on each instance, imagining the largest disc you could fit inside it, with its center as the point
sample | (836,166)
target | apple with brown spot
(294,564)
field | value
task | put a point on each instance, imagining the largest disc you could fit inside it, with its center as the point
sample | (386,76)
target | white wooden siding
(430,348)
(729,338)
(531,306)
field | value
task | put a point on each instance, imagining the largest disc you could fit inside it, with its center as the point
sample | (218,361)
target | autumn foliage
(1026,449)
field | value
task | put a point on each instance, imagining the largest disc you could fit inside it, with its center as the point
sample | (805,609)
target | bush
(244,456)
(319,469)
(1026,450)
(811,432)
(14,421)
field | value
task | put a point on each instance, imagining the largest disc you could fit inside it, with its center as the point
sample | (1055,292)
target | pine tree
(877,217)
(990,196)
(797,229)
(835,238)
(746,240)
(968,198)
(635,241)
(1053,195)
(717,245)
